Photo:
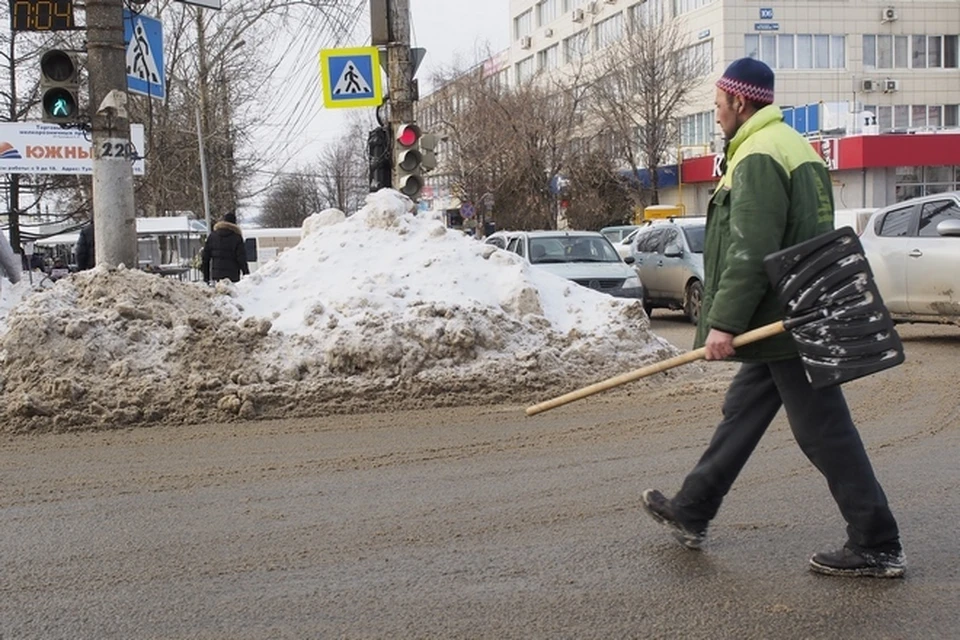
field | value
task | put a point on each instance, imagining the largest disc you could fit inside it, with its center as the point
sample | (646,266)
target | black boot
(859,563)
(657,505)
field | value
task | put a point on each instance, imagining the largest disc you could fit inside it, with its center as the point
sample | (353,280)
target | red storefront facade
(868,171)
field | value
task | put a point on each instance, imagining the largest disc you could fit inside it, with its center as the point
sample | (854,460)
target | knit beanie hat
(230,217)
(750,78)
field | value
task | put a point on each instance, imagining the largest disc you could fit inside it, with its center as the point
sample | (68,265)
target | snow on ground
(377,311)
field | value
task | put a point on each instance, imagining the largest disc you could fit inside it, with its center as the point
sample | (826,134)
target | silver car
(669,258)
(914,252)
(586,257)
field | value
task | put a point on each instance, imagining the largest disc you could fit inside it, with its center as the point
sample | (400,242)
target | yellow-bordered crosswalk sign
(351,77)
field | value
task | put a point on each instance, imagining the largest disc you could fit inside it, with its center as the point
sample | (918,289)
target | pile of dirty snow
(381,309)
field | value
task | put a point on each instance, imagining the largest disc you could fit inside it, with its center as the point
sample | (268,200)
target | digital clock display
(41,15)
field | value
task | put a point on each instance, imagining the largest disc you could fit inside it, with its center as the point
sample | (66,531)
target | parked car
(625,247)
(498,239)
(914,252)
(668,256)
(617,233)
(586,257)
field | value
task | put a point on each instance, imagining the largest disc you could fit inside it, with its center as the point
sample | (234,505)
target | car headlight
(633,282)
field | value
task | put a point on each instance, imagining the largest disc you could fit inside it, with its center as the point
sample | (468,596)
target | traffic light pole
(114,214)
(399,67)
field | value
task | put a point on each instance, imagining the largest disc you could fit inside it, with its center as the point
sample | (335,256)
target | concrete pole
(114,214)
(203,176)
(399,67)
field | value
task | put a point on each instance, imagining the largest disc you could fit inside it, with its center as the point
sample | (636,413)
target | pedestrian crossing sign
(351,77)
(143,36)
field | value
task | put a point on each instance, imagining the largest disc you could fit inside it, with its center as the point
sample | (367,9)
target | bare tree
(508,143)
(644,79)
(293,198)
(342,170)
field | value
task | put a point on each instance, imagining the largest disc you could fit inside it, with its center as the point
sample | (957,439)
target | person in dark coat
(224,255)
(86,255)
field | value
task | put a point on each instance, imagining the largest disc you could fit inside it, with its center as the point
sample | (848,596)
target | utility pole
(14,213)
(399,67)
(114,215)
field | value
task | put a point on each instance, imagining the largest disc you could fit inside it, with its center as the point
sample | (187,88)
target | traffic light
(407,160)
(428,151)
(379,158)
(60,86)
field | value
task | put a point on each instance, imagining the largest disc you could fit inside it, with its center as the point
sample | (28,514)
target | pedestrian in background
(775,192)
(9,262)
(224,255)
(86,251)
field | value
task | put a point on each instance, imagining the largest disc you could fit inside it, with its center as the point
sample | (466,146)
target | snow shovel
(832,309)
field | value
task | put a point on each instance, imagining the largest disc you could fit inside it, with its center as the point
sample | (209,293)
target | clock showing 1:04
(41,15)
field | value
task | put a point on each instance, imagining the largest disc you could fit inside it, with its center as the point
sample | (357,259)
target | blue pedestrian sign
(351,77)
(144,41)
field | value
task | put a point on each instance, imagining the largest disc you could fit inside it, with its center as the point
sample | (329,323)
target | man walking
(224,255)
(775,192)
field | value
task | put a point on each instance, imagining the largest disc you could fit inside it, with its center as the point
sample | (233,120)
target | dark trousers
(821,425)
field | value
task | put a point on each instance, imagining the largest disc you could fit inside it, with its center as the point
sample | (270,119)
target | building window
(683,6)
(910,52)
(576,47)
(609,31)
(913,182)
(569,5)
(797,51)
(523,24)
(698,58)
(951,115)
(547,11)
(648,13)
(549,58)
(697,130)
(525,70)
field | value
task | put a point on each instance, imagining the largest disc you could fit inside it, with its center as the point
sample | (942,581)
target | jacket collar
(223,224)
(765,116)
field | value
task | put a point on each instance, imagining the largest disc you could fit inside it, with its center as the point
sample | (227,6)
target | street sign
(467,210)
(351,77)
(143,36)
(40,148)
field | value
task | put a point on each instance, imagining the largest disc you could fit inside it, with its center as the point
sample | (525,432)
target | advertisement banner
(37,147)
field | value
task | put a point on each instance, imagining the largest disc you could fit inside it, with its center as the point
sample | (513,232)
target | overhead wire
(307,102)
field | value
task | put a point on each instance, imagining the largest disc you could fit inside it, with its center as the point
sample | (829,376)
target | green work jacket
(775,193)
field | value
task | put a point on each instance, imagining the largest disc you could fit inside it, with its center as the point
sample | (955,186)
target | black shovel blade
(833,308)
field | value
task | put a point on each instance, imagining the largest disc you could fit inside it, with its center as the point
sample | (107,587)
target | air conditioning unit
(593,7)
(526,42)
(548,33)
(888,14)
(578,15)
(868,84)
(889,85)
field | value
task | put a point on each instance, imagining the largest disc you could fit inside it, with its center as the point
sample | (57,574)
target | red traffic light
(407,134)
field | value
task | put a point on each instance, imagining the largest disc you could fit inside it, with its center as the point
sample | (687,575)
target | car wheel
(693,299)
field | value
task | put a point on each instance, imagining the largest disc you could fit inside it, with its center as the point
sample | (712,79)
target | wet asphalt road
(476,522)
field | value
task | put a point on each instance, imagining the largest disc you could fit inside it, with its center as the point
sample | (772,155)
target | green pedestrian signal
(60,86)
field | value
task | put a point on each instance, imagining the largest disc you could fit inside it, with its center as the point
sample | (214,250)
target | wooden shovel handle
(754,335)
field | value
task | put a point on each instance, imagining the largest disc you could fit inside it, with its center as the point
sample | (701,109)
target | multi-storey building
(846,70)
(875,84)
